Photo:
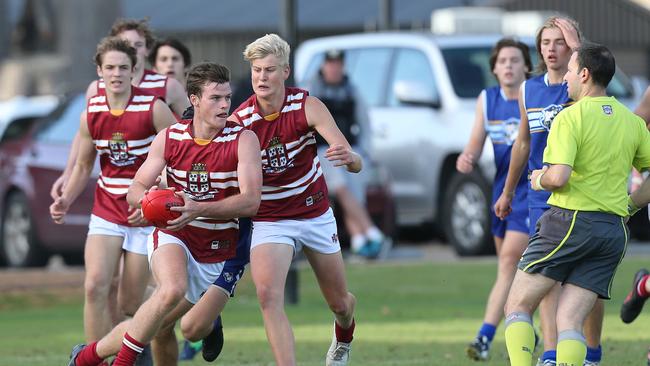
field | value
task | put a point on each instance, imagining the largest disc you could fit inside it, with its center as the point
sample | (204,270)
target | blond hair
(270,44)
(550,23)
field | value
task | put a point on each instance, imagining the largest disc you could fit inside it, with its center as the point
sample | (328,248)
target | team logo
(198,182)
(607,109)
(510,130)
(548,115)
(227,276)
(120,150)
(220,244)
(335,238)
(276,157)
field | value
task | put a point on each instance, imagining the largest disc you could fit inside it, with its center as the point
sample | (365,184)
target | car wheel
(466,215)
(19,244)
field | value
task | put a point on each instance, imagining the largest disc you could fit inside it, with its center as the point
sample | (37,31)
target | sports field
(407,314)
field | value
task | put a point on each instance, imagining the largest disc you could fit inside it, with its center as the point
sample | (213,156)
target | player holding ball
(214,167)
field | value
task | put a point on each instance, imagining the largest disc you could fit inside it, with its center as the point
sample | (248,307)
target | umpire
(582,238)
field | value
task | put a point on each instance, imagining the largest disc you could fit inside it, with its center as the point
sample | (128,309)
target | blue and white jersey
(542,101)
(501,119)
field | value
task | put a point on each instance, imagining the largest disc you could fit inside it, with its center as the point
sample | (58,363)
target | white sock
(357,242)
(374,234)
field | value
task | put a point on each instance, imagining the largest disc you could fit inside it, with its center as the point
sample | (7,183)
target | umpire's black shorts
(582,248)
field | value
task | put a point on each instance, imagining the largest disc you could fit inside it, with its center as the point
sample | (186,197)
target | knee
(170,295)
(342,305)
(96,287)
(194,330)
(269,298)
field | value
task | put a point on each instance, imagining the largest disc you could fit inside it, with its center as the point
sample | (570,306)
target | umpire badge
(607,109)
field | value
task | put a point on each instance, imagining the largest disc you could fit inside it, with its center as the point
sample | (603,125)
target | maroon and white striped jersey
(293,183)
(152,83)
(205,173)
(122,143)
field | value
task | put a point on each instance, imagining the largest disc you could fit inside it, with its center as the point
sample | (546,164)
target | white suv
(421,93)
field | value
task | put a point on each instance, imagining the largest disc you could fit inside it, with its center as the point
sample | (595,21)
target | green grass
(407,314)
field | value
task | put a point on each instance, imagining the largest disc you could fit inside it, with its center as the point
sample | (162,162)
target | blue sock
(594,354)
(549,355)
(217,322)
(487,330)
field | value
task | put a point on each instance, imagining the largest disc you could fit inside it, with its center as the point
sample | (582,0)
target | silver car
(421,92)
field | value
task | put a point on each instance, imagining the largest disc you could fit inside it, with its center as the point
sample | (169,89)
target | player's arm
(176,96)
(518,160)
(244,204)
(60,182)
(643,109)
(149,171)
(340,152)
(474,148)
(162,116)
(550,178)
(640,197)
(83,166)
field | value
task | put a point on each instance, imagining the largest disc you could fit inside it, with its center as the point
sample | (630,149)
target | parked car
(421,92)
(32,156)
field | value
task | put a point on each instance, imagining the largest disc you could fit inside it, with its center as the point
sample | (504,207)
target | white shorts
(337,177)
(318,234)
(135,238)
(200,275)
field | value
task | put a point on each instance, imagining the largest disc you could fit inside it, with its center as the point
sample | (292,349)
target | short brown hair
(141,26)
(550,23)
(204,73)
(511,42)
(114,44)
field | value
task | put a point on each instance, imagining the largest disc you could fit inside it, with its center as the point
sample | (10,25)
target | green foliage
(407,314)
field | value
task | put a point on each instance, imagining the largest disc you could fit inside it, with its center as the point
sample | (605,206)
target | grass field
(407,314)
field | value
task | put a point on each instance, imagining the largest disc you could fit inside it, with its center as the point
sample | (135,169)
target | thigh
(102,255)
(135,275)
(270,264)
(527,291)
(330,273)
(208,308)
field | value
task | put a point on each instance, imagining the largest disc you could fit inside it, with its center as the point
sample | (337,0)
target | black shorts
(582,248)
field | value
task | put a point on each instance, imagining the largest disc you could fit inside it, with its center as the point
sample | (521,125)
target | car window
(17,128)
(469,70)
(63,124)
(368,70)
(411,66)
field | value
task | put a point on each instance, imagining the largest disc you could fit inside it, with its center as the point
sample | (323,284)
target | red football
(156,204)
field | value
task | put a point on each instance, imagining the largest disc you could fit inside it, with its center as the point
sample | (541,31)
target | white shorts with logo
(135,238)
(200,275)
(318,234)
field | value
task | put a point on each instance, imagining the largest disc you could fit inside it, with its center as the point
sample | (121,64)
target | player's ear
(99,71)
(194,99)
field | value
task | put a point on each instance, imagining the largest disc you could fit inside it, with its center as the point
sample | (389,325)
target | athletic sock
(487,330)
(344,335)
(88,356)
(520,339)
(571,348)
(550,355)
(129,351)
(374,233)
(640,289)
(357,242)
(594,354)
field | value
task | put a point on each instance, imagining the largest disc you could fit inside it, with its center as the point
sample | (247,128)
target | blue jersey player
(497,116)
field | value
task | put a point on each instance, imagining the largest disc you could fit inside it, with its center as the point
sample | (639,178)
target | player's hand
(503,205)
(569,32)
(465,163)
(57,188)
(189,212)
(58,209)
(340,155)
(136,218)
(534,183)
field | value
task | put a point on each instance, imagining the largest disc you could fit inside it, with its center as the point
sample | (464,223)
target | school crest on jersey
(277,160)
(548,115)
(198,182)
(510,130)
(120,150)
